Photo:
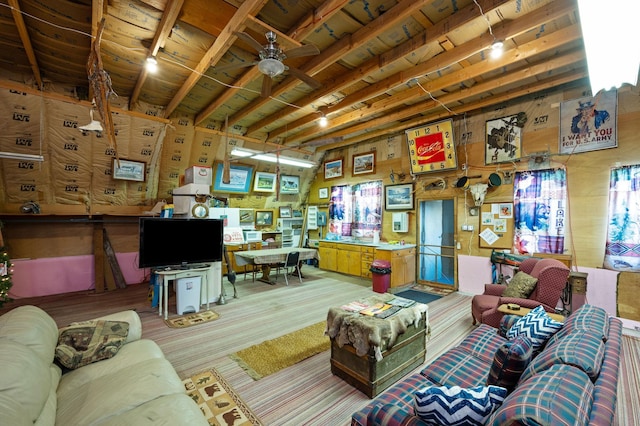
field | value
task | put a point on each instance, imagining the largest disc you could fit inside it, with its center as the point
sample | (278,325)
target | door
(436,243)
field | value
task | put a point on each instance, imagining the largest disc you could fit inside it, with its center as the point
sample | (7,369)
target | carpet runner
(219,403)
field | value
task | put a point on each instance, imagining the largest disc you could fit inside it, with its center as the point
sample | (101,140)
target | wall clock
(431,147)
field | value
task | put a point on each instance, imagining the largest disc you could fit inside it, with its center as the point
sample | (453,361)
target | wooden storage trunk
(370,376)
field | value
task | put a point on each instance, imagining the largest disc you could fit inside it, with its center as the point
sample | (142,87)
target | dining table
(266,258)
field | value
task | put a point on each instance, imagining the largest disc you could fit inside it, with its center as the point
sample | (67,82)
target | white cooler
(188,295)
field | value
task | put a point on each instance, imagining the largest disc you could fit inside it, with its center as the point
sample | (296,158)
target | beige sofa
(138,386)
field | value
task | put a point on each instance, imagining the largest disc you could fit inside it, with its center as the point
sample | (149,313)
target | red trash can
(381,275)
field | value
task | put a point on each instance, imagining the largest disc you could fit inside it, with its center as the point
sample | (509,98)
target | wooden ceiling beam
(298,34)
(217,50)
(339,49)
(26,41)
(447,58)
(526,51)
(169,18)
(452,23)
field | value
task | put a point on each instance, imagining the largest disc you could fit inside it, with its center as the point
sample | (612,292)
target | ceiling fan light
(271,67)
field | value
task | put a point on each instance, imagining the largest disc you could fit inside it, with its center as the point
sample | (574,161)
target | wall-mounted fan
(270,62)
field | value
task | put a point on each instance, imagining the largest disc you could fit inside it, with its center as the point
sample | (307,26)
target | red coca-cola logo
(430,149)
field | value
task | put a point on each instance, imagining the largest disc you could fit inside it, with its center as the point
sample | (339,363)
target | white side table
(169,274)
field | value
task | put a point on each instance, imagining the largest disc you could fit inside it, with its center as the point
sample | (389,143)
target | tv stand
(205,271)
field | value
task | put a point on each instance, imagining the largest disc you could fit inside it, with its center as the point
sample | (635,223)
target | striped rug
(628,409)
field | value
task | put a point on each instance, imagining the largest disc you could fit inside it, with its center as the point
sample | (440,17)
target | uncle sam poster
(589,123)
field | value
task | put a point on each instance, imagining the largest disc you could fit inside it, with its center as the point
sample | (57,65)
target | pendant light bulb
(323,122)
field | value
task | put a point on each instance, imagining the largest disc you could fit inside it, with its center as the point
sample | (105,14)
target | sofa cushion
(537,326)
(442,405)
(509,361)
(458,367)
(505,324)
(583,349)
(32,327)
(85,342)
(520,286)
(561,395)
(482,342)
(587,317)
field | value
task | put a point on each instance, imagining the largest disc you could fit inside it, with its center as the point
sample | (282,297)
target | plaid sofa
(573,380)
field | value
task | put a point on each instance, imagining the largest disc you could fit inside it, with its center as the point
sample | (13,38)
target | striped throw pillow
(442,405)
(537,326)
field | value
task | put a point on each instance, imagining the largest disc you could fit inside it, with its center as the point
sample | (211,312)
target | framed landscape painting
(289,184)
(398,197)
(240,179)
(264,182)
(333,169)
(364,164)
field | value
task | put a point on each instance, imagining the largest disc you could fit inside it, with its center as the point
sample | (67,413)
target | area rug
(271,356)
(419,296)
(219,403)
(192,319)
(628,295)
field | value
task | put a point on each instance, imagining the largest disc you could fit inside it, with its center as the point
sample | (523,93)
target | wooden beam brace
(26,41)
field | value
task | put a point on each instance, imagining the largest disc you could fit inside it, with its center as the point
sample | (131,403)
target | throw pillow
(441,405)
(537,326)
(520,286)
(85,342)
(510,360)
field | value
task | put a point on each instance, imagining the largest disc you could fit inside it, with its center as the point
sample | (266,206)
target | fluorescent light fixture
(23,157)
(271,158)
(608,31)
(152,64)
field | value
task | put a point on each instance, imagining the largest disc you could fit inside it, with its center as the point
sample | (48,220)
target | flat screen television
(176,242)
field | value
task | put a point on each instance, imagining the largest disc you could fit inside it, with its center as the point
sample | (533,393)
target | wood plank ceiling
(384,65)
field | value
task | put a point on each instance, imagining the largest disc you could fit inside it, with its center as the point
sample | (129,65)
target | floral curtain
(356,210)
(540,206)
(622,251)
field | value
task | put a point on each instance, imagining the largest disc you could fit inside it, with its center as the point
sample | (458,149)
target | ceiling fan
(271,57)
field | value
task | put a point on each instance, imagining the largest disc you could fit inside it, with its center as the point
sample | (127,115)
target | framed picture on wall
(333,169)
(264,182)
(364,164)
(504,138)
(285,212)
(289,184)
(323,193)
(129,170)
(398,197)
(264,217)
(240,179)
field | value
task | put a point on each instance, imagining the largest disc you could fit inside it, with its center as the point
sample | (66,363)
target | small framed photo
(323,193)
(398,197)
(333,169)
(264,182)
(285,212)
(297,213)
(129,170)
(264,217)
(364,164)
(289,184)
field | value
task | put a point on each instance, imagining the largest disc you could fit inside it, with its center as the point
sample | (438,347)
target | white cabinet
(291,229)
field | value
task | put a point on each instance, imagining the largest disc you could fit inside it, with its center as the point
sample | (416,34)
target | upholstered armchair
(551,275)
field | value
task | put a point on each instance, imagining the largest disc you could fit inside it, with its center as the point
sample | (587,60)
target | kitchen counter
(379,246)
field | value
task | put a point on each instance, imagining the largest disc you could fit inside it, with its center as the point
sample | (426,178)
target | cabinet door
(327,258)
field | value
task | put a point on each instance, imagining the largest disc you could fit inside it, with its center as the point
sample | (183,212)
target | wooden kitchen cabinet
(368,254)
(327,253)
(348,259)
(403,265)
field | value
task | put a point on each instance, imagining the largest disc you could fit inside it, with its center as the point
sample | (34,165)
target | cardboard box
(202,175)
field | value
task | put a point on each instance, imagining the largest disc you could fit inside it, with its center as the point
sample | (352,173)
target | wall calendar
(431,147)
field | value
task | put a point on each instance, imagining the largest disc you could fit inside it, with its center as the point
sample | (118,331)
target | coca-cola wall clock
(431,147)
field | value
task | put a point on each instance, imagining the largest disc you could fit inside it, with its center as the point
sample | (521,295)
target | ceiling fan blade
(234,66)
(266,86)
(249,40)
(306,50)
(304,77)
